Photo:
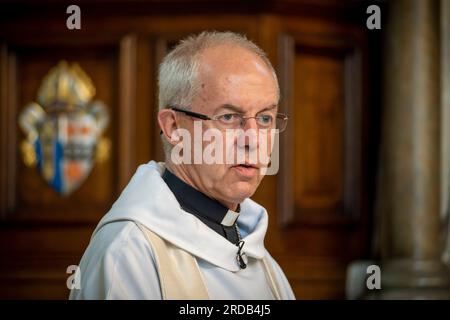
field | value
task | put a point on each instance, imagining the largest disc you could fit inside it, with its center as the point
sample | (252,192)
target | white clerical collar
(230,218)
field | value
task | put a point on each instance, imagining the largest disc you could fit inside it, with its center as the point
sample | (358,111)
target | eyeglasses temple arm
(192,114)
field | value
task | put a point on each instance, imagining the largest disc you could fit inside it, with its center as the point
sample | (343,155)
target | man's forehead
(219,67)
(235,76)
(230,57)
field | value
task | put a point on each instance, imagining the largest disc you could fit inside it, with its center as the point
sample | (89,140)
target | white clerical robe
(119,262)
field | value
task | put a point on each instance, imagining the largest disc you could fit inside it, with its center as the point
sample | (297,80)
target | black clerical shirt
(209,211)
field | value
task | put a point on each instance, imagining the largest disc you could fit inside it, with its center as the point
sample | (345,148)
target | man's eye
(229,117)
(265,119)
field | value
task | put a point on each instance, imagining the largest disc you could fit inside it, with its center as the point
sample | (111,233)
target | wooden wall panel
(318,115)
(42,232)
(321,222)
(34,259)
(323,97)
(36,200)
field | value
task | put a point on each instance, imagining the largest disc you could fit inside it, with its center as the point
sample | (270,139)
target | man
(187,229)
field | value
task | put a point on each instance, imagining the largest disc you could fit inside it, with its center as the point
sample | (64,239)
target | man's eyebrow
(230,107)
(240,110)
(273,106)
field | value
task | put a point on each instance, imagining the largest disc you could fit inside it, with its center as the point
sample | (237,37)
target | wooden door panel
(318,117)
(321,217)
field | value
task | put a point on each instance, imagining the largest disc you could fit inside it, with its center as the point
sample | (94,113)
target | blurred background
(364,175)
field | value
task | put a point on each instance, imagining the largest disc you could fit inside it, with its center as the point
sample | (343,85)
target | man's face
(232,80)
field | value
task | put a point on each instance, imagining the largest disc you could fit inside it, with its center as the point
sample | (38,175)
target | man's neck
(182,174)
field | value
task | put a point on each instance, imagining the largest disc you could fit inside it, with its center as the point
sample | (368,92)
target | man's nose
(251,132)
(250,123)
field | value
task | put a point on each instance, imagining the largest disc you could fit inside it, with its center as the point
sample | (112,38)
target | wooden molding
(8,107)
(127,108)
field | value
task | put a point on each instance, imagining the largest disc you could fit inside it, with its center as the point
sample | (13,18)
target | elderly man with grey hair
(186,228)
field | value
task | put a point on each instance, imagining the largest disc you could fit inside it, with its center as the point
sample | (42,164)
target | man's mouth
(247,165)
(245,170)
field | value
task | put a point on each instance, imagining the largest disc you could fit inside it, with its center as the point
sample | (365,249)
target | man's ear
(168,124)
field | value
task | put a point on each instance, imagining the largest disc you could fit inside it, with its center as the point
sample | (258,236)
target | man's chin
(241,191)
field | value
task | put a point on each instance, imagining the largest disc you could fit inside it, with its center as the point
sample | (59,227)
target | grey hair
(178,81)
